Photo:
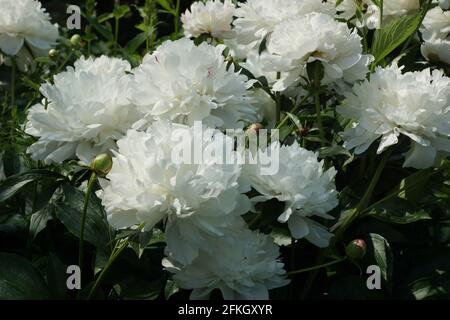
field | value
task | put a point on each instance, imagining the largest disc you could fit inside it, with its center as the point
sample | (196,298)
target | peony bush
(218,149)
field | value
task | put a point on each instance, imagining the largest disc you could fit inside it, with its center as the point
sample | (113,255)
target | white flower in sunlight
(213,17)
(147,184)
(390,104)
(185,83)
(257,19)
(371,13)
(84,112)
(244,265)
(304,185)
(436,35)
(25,28)
(317,37)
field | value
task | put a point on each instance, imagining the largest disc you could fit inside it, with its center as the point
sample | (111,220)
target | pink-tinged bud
(356,249)
(102,164)
(255,128)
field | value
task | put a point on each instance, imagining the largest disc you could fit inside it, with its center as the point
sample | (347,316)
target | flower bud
(303,132)
(52,53)
(356,249)
(75,40)
(102,164)
(255,128)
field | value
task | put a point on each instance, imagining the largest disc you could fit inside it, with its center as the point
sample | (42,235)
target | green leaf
(166,5)
(391,36)
(105,17)
(170,289)
(136,42)
(20,280)
(70,212)
(399,211)
(14,184)
(121,11)
(382,254)
(56,277)
(434,287)
(39,220)
(140,240)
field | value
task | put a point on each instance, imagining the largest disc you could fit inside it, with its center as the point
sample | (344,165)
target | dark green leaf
(382,255)
(136,42)
(171,289)
(19,279)
(39,220)
(434,287)
(398,211)
(121,11)
(56,277)
(15,183)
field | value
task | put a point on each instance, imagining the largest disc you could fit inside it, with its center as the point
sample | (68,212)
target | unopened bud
(102,164)
(75,40)
(356,249)
(52,53)
(303,132)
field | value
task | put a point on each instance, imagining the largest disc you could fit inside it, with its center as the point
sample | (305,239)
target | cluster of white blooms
(25,30)
(303,185)
(84,111)
(212,18)
(390,104)
(143,116)
(370,12)
(436,35)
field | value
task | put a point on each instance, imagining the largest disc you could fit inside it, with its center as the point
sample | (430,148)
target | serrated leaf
(20,280)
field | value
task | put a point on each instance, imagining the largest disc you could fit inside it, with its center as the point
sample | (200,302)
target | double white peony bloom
(371,12)
(390,104)
(25,30)
(84,112)
(436,35)
(184,83)
(213,18)
(305,187)
(257,19)
(317,37)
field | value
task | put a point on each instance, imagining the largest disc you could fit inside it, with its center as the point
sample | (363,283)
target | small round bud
(52,53)
(75,40)
(303,132)
(356,249)
(255,128)
(102,164)
(444,4)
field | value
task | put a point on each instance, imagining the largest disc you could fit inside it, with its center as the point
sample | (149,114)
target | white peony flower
(390,104)
(87,111)
(244,265)
(317,37)
(257,19)
(25,29)
(371,13)
(185,83)
(436,35)
(148,184)
(213,17)
(306,188)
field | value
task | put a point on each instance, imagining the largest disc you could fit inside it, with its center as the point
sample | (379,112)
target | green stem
(83,219)
(63,64)
(116,34)
(177,16)
(13,84)
(319,118)
(316,267)
(356,212)
(114,255)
